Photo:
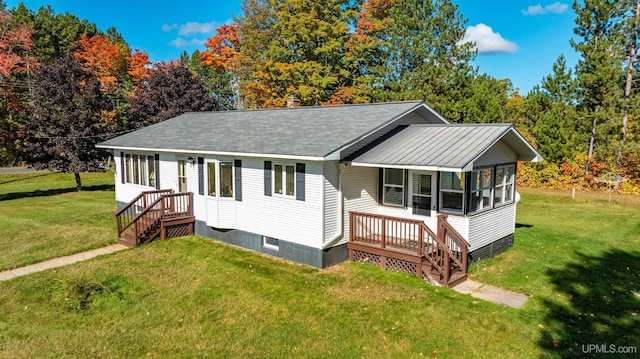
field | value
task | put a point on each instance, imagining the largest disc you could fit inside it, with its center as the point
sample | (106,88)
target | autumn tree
(105,58)
(66,119)
(292,46)
(17,64)
(171,90)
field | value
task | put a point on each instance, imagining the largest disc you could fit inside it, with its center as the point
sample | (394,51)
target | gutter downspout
(341,167)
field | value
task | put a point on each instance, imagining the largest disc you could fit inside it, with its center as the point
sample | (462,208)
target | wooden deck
(155,214)
(409,246)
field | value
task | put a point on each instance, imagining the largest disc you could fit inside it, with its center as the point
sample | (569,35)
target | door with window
(422,191)
(183,176)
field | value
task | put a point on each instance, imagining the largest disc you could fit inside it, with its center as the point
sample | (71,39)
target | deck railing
(454,241)
(441,250)
(148,221)
(126,215)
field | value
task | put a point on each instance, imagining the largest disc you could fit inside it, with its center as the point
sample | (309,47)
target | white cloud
(181,42)
(555,8)
(198,28)
(487,41)
(167,27)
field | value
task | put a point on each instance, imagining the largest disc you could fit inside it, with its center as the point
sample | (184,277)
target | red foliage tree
(104,58)
(222,48)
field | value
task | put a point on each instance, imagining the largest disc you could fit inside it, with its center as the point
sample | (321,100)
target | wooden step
(457,278)
(129,240)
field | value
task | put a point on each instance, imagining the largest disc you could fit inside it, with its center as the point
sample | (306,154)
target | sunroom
(459,176)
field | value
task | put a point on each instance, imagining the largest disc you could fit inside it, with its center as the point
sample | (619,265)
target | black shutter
(201,176)
(156,158)
(237,166)
(466,196)
(122,159)
(406,188)
(380,184)
(300,170)
(267,178)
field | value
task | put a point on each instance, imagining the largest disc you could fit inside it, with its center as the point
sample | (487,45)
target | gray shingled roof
(304,131)
(443,146)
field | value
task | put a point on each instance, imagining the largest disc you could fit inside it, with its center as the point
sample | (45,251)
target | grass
(192,297)
(42,216)
(580,261)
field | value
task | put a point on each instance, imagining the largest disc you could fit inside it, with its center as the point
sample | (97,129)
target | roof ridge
(462,125)
(308,107)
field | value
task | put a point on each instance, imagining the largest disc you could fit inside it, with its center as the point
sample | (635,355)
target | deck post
(383,235)
(447,268)
(420,238)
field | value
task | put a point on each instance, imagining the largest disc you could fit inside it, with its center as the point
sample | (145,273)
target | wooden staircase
(155,214)
(409,246)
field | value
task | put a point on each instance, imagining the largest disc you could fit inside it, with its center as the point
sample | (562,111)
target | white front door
(422,200)
(183,176)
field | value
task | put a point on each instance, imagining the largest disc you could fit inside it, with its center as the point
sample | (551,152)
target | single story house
(316,185)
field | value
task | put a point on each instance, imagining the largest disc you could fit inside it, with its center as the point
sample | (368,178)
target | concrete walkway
(491,294)
(59,262)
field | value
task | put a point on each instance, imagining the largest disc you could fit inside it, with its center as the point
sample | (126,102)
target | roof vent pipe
(293,101)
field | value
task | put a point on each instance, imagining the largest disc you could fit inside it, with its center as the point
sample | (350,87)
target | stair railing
(459,247)
(126,215)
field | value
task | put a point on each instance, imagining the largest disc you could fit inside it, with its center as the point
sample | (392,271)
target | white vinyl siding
(498,153)
(360,191)
(331,201)
(279,217)
(487,227)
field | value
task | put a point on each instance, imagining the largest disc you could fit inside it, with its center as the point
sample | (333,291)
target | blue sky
(517,39)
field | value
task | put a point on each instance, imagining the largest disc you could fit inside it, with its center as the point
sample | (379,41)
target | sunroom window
(505,179)
(481,189)
(452,191)
(393,187)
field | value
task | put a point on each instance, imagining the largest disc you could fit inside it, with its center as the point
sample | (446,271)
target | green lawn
(42,216)
(193,297)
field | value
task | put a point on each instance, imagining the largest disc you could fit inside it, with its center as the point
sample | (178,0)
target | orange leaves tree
(111,61)
(222,49)
(16,65)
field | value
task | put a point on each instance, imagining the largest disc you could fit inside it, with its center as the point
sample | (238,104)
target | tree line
(583,120)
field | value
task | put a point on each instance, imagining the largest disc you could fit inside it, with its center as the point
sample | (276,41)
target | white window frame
(482,186)
(393,185)
(136,162)
(284,176)
(504,183)
(215,179)
(217,163)
(273,246)
(452,190)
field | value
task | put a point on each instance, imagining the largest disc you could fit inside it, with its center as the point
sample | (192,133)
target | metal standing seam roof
(437,147)
(304,131)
